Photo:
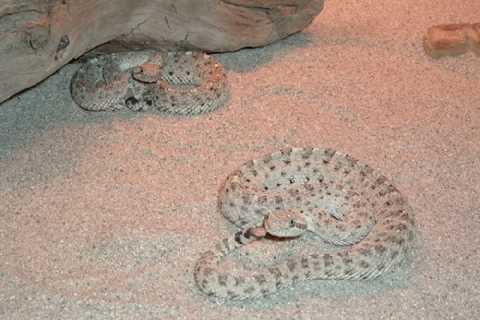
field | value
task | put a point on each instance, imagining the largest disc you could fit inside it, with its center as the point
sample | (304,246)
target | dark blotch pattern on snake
(322,191)
(174,83)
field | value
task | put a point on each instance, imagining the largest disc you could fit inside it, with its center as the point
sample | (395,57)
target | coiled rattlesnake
(294,191)
(176,83)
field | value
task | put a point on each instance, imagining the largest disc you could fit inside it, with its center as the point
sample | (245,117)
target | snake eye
(292,223)
(131,101)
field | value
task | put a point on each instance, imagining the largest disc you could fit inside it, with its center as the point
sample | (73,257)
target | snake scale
(173,83)
(292,192)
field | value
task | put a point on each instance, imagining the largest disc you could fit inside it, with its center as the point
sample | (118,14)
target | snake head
(147,73)
(285,223)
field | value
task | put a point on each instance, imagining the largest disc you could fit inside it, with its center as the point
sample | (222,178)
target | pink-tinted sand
(102,216)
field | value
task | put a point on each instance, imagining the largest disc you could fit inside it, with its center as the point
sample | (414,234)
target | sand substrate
(103,215)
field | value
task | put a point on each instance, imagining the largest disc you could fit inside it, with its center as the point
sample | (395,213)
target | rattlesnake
(321,191)
(176,83)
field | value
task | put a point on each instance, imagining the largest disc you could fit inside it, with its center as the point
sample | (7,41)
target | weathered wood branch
(37,37)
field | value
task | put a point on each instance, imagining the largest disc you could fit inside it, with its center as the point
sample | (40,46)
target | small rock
(452,39)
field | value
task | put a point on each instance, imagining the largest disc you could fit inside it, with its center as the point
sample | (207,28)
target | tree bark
(37,37)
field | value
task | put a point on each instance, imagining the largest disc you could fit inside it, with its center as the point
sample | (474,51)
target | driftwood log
(37,37)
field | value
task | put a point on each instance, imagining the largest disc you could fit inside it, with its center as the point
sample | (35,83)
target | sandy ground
(102,216)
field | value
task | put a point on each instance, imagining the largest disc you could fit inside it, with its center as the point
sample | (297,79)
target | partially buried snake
(173,83)
(321,191)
